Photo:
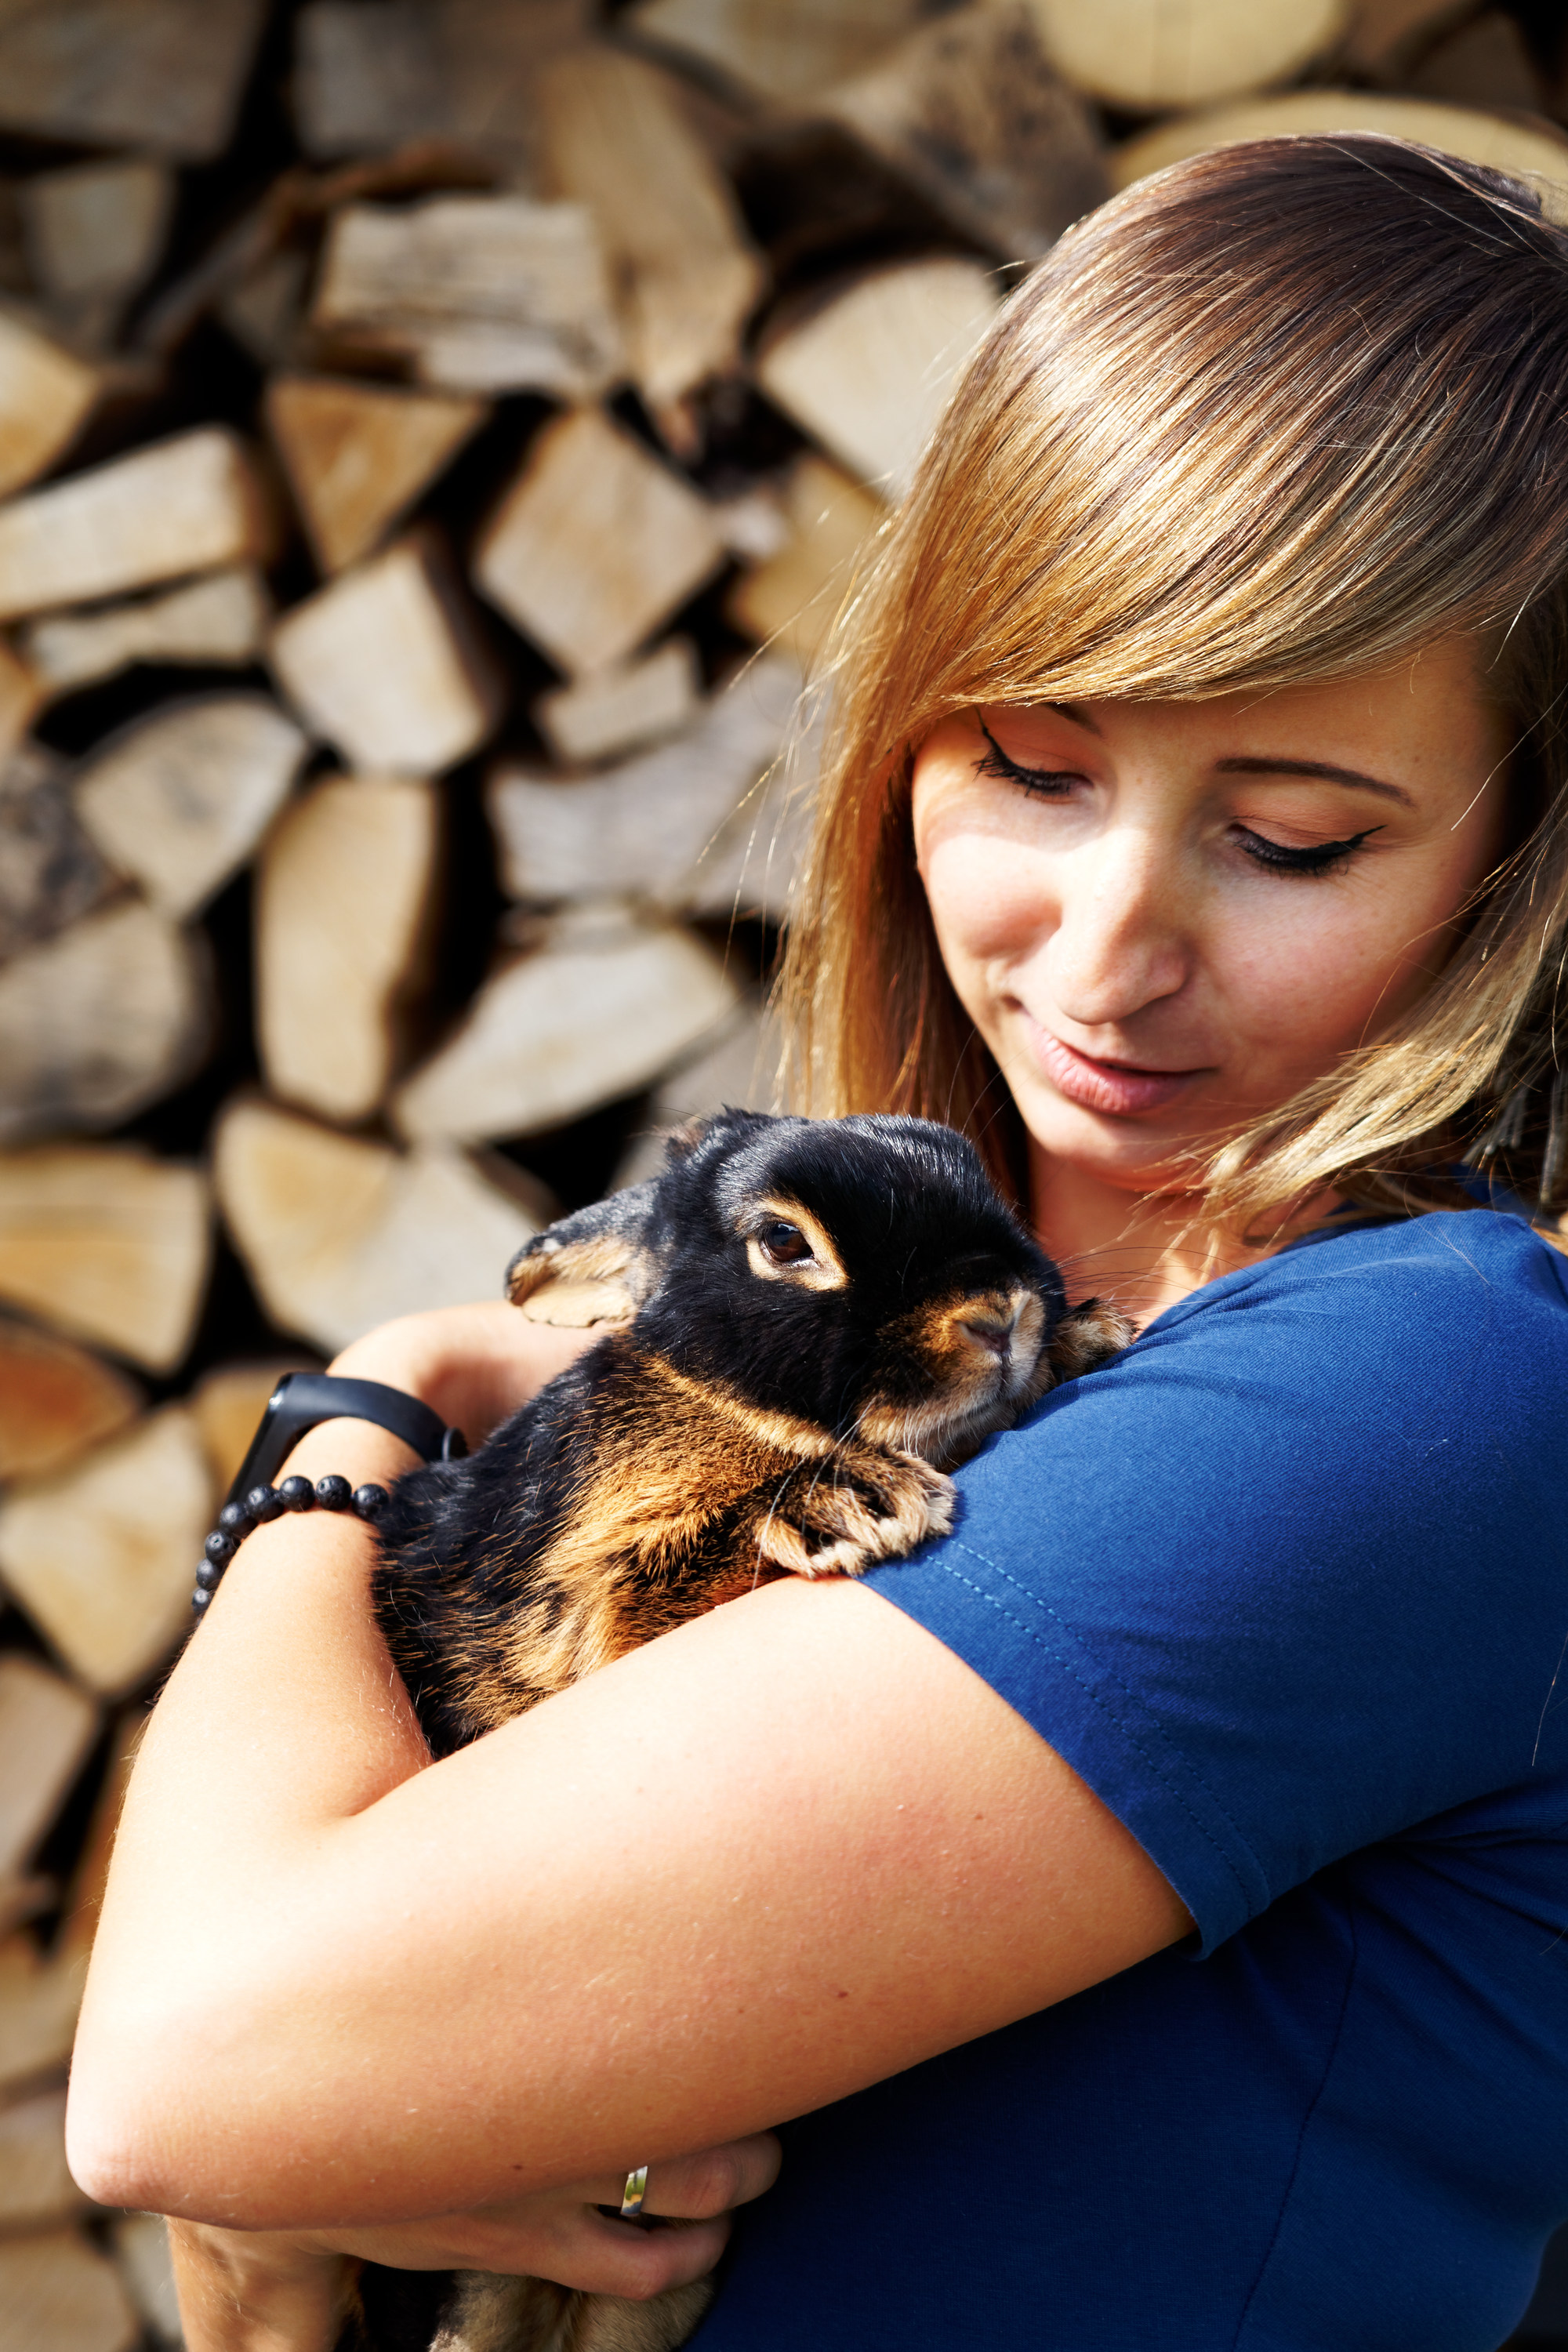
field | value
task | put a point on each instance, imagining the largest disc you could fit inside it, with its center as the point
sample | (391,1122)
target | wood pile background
(434,438)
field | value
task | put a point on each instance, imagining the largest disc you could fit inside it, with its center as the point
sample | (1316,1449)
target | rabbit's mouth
(966,1368)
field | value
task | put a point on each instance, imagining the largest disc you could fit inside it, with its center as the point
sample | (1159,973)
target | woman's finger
(696,2187)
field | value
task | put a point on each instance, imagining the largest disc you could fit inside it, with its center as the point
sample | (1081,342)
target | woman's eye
(1047,784)
(1324,857)
(784,1245)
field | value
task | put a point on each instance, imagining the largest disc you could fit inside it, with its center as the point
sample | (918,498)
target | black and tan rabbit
(805,1324)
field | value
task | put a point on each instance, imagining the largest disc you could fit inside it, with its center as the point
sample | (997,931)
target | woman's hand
(274,2291)
(473,1365)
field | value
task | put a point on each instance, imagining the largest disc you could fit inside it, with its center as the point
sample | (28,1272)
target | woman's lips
(1110,1087)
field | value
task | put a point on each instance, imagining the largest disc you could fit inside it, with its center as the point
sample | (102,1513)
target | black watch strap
(302,1401)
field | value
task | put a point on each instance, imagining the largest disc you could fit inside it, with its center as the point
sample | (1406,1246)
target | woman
(1158,1914)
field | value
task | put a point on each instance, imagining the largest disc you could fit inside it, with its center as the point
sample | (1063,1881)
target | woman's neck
(1143,1251)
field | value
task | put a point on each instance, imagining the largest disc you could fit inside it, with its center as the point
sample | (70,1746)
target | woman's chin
(1134,1155)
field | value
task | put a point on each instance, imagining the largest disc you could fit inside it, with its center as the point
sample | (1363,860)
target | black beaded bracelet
(236,1520)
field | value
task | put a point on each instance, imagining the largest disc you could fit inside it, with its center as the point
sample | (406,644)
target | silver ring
(634,2191)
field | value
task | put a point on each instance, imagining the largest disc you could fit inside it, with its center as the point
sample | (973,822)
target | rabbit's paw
(841,1516)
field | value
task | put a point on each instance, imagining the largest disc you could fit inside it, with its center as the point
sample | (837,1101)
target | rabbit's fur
(805,1323)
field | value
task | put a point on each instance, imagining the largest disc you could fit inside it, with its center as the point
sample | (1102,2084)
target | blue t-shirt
(1288,1585)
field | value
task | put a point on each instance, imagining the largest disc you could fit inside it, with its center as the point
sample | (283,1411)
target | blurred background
(435,438)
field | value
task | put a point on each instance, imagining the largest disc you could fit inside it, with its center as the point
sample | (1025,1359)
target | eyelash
(1046,784)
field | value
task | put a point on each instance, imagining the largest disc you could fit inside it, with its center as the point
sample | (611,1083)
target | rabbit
(806,1323)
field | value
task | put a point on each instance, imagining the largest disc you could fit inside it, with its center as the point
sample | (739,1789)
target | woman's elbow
(134,2123)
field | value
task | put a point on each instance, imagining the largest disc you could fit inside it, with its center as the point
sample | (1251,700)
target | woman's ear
(590,1268)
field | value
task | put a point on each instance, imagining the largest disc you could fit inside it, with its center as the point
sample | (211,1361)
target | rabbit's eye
(783,1244)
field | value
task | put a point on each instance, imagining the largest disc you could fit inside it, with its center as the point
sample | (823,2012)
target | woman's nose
(1123,937)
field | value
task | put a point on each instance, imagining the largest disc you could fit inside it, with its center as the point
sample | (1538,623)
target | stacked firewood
(436,437)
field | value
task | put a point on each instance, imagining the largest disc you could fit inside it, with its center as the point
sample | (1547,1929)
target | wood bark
(339,1233)
(185,505)
(1484,64)
(616,710)
(108,1243)
(49,870)
(98,1020)
(595,544)
(792,600)
(379,663)
(56,1400)
(94,234)
(604,1004)
(219,621)
(1385,37)
(639,829)
(357,951)
(481,293)
(35,2186)
(738,1071)
(158,74)
(970,112)
(177,801)
(46,394)
(868,372)
(59,2291)
(358,455)
(1480,137)
(614,138)
(785,53)
(103,1555)
(1145,56)
(371,77)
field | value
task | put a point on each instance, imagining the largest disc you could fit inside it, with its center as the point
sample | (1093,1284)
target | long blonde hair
(1282,413)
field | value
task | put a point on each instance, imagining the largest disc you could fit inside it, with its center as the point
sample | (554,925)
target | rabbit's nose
(992,1332)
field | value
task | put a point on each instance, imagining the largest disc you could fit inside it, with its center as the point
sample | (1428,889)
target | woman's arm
(787,1850)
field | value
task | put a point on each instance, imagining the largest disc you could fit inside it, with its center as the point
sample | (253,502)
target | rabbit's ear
(594,1267)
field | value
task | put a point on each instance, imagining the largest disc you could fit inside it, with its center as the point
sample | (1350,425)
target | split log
(47,1727)
(793,600)
(970,113)
(738,1071)
(94,233)
(613,137)
(1485,63)
(639,829)
(753,864)
(103,1556)
(358,455)
(56,1401)
(381,663)
(599,1010)
(615,710)
(84,1900)
(98,1021)
(39,1999)
(264,305)
(140,2243)
(787,52)
(595,544)
(481,293)
(1385,37)
(35,2186)
(49,871)
(185,505)
(158,74)
(1480,137)
(868,371)
(339,1235)
(20,695)
(177,801)
(58,2290)
(358,951)
(752,523)
(217,622)
(107,1243)
(370,75)
(1132,55)
(46,396)
(228,1403)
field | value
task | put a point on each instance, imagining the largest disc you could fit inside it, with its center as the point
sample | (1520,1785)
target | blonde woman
(1152,1901)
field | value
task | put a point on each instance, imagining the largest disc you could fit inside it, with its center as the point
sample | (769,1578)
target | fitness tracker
(302,1401)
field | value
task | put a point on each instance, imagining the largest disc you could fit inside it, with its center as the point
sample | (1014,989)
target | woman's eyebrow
(1321,768)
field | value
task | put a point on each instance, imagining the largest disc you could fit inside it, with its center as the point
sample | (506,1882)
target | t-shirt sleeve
(1292,1575)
